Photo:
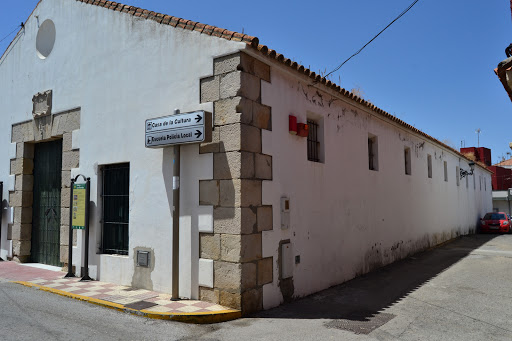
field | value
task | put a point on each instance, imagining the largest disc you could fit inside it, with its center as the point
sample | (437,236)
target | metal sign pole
(86,256)
(70,240)
(176,223)
(177,129)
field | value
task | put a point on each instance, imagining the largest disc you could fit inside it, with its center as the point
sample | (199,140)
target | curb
(197,318)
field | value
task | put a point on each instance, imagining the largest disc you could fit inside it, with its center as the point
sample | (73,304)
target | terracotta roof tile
(199,27)
(253,42)
(217,32)
(166,19)
(227,34)
(190,25)
(504,163)
(237,36)
(208,29)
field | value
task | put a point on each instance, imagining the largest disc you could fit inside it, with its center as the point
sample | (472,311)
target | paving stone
(141,305)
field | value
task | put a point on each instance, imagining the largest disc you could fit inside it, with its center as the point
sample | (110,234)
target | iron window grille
(313,142)
(372,153)
(115,195)
(407,160)
(445,164)
(429,166)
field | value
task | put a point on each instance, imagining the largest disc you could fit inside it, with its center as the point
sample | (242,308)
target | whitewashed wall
(121,70)
(345,219)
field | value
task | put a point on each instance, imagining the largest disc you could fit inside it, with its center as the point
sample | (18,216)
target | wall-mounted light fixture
(464,173)
(299,129)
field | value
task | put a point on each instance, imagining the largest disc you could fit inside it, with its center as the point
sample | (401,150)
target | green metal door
(46,206)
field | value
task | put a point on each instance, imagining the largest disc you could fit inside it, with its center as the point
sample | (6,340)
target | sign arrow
(198,133)
(198,118)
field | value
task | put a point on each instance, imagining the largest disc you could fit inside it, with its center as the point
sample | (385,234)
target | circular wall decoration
(45,39)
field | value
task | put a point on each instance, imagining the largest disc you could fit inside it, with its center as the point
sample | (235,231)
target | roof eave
(500,71)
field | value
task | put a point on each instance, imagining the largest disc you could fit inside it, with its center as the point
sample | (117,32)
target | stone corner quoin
(235,192)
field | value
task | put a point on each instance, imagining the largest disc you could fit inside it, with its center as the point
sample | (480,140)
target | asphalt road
(462,291)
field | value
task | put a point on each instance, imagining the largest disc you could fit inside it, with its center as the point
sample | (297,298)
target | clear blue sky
(433,68)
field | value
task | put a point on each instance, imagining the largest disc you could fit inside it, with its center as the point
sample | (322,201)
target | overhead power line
(17,27)
(368,43)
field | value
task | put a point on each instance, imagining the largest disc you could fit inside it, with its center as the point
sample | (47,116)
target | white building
(501,201)
(264,218)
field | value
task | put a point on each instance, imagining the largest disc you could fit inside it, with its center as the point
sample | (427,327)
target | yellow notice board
(78,209)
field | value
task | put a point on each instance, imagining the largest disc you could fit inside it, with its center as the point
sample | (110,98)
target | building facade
(501,178)
(269,212)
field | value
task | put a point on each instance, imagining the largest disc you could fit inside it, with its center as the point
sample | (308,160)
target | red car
(495,222)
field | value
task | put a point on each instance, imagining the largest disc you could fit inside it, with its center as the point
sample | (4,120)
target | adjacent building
(302,186)
(501,178)
(504,69)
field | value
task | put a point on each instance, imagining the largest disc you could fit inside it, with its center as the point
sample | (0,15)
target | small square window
(407,160)
(429,166)
(373,153)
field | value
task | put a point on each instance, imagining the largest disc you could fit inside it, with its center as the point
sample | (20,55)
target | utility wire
(17,27)
(368,43)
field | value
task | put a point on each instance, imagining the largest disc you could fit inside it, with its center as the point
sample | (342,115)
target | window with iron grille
(445,164)
(407,160)
(115,195)
(429,166)
(313,141)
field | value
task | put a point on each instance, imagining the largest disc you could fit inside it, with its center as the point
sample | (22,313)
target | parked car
(495,222)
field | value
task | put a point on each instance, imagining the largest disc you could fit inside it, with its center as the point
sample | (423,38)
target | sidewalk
(140,302)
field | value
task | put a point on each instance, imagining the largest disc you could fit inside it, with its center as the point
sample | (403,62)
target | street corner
(138,302)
